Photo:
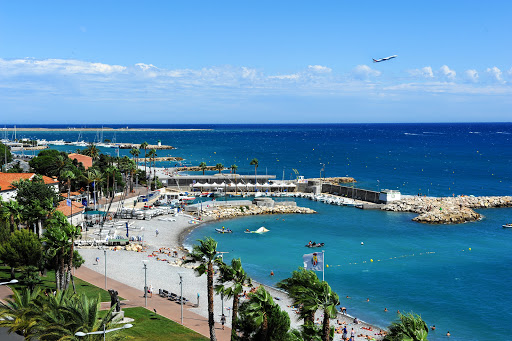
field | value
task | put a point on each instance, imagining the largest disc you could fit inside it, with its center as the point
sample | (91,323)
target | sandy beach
(162,270)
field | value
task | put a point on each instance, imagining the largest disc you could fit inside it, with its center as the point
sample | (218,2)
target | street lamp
(105,253)
(12,281)
(104,332)
(322,170)
(145,284)
(181,295)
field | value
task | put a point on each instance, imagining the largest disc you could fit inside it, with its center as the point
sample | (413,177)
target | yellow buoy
(469,249)
(371,260)
(326,265)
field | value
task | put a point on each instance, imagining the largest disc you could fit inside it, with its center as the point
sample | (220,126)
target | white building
(387,195)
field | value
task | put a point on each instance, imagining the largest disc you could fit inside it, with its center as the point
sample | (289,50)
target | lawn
(48,282)
(149,326)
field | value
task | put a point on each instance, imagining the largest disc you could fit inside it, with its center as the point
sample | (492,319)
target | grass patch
(48,282)
(150,326)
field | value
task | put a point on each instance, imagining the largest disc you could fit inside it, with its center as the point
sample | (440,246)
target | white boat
(57,142)
(506,226)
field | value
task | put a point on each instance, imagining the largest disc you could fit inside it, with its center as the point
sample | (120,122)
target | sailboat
(259,231)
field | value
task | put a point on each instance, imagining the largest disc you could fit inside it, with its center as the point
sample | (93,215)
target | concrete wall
(350,192)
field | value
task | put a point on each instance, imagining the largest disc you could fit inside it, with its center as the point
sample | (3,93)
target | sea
(456,277)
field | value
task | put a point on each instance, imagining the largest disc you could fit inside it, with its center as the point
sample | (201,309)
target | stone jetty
(240,211)
(447,210)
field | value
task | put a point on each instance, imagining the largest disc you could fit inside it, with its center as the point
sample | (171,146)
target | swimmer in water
(271,273)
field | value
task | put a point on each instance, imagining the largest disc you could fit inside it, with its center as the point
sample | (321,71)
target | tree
(152,158)
(91,151)
(203,166)
(254,162)
(297,287)
(16,313)
(327,300)
(238,278)
(135,153)
(5,154)
(10,214)
(219,167)
(206,255)
(144,145)
(36,199)
(409,327)
(50,162)
(234,168)
(23,248)
(262,319)
(58,247)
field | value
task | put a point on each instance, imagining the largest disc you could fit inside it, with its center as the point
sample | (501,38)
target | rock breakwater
(446,210)
(240,211)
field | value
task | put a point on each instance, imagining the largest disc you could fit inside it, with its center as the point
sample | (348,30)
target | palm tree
(327,300)
(68,176)
(254,162)
(297,287)
(91,151)
(152,158)
(234,168)
(410,327)
(16,313)
(203,166)
(219,167)
(206,255)
(10,214)
(144,145)
(135,153)
(236,275)
(259,308)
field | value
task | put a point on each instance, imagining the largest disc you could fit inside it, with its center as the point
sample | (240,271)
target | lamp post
(145,285)
(181,295)
(105,253)
(12,281)
(104,331)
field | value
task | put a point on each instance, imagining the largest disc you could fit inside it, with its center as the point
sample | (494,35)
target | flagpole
(323,266)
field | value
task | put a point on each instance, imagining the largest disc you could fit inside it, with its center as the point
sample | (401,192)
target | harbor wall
(351,192)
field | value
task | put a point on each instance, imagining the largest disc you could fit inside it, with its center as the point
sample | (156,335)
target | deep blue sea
(457,277)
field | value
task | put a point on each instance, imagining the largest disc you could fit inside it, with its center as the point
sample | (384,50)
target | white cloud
(61,66)
(425,72)
(447,72)
(364,72)
(292,76)
(495,74)
(471,75)
(319,69)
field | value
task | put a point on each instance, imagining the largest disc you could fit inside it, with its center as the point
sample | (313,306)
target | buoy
(362,243)
(326,265)
(371,260)
(469,249)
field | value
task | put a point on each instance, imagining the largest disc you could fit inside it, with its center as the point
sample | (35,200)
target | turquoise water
(422,268)
(434,273)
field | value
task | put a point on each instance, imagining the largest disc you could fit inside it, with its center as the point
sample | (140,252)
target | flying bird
(384,59)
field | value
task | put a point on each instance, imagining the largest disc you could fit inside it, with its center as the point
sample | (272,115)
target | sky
(254,61)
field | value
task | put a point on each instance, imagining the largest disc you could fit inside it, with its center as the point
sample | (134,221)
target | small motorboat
(315,245)
(224,231)
(506,226)
(260,230)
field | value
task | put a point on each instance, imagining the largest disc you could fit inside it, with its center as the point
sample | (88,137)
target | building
(8,191)
(74,213)
(84,159)
(388,195)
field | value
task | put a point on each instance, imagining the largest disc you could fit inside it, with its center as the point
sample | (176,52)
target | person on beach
(156,231)
(223,320)
(352,335)
(344,333)
(97,260)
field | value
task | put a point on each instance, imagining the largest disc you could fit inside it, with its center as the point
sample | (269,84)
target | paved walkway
(134,298)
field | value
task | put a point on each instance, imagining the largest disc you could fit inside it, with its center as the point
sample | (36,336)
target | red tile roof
(64,208)
(6,179)
(84,159)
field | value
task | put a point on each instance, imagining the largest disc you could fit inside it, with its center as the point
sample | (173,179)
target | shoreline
(126,267)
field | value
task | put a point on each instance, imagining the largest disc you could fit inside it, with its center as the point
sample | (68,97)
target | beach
(162,272)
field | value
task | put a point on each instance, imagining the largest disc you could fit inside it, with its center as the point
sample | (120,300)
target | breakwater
(240,211)
(351,192)
(446,210)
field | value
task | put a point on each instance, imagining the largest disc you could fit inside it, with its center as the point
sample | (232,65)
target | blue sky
(254,61)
